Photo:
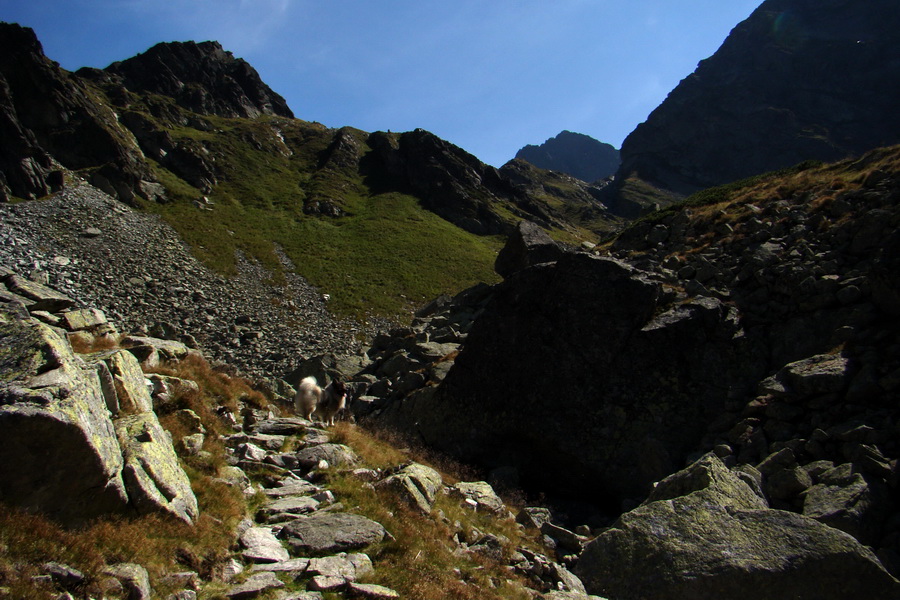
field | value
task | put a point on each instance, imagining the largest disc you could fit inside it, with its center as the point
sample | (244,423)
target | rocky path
(301,529)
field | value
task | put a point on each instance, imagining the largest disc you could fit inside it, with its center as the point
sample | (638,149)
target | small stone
(255,585)
(134,580)
(372,591)
(231,569)
(324,583)
(261,545)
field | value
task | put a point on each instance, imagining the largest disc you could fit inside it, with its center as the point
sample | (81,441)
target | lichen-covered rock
(150,351)
(82,319)
(336,455)
(482,494)
(261,545)
(130,384)
(704,534)
(37,296)
(153,477)
(372,591)
(417,484)
(255,585)
(59,453)
(134,579)
(853,505)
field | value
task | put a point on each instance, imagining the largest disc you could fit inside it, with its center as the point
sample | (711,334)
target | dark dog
(325,402)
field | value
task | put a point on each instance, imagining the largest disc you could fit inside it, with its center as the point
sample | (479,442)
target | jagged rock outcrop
(578,201)
(797,80)
(577,154)
(451,182)
(201,77)
(703,533)
(51,120)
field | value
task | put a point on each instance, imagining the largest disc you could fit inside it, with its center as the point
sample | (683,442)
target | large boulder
(59,453)
(704,534)
(63,453)
(416,484)
(528,245)
(586,376)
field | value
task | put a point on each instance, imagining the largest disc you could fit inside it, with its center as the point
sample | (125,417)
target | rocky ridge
(183,120)
(203,78)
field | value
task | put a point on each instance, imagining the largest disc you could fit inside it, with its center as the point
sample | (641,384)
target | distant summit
(576,154)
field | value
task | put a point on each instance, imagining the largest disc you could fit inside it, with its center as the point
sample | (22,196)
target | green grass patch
(386,257)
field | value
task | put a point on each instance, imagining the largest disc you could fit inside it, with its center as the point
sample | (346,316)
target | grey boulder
(704,534)
(329,533)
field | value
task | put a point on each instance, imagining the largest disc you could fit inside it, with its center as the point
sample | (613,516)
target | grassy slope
(385,256)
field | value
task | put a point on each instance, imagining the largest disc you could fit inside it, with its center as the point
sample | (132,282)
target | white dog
(326,402)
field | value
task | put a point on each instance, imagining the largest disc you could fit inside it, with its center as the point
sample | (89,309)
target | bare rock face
(48,118)
(703,533)
(798,80)
(202,77)
(451,182)
(577,154)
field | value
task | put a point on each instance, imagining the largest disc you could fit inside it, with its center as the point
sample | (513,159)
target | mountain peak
(576,154)
(202,77)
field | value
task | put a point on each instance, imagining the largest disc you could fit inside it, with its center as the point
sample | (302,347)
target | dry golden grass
(89,345)
(422,561)
(161,544)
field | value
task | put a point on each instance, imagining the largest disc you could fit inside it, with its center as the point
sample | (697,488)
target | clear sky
(487,75)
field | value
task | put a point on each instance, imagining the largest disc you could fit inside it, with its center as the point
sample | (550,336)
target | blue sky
(489,76)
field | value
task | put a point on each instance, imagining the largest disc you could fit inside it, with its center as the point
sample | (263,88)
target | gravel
(137,270)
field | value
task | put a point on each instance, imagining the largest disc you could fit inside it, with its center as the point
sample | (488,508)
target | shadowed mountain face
(798,80)
(577,154)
